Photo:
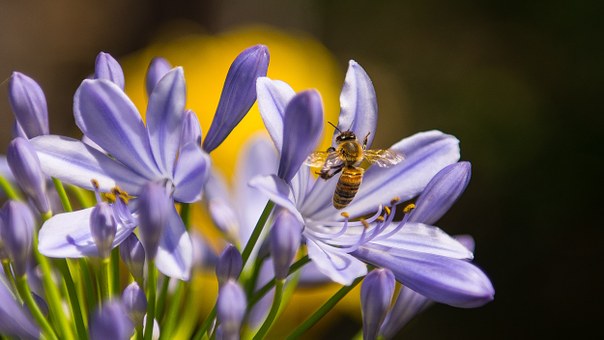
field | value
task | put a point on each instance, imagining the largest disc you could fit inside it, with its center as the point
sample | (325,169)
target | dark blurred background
(518,82)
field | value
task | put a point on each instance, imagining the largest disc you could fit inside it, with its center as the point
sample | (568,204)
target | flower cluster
(134,183)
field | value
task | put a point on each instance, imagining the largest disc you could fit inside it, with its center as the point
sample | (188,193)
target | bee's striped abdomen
(347,186)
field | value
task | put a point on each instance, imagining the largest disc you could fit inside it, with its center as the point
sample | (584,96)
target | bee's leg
(365,140)
(327,173)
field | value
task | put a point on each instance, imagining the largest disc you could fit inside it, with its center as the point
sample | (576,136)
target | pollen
(345,214)
(380,219)
(387,210)
(395,200)
(95,184)
(365,223)
(408,208)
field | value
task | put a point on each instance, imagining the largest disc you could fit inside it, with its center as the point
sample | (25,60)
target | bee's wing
(383,158)
(323,159)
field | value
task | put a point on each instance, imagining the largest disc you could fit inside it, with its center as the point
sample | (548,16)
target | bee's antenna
(330,123)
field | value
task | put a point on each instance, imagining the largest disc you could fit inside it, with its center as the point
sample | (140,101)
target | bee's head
(346,136)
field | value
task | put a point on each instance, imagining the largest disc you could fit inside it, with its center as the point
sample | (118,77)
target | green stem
(81,195)
(11,193)
(161,300)
(62,195)
(185,214)
(52,292)
(115,270)
(250,284)
(269,285)
(272,314)
(151,293)
(205,325)
(9,275)
(251,243)
(88,285)
(33,307)
(105,285)
(171,317)
(323,310)
(73,299)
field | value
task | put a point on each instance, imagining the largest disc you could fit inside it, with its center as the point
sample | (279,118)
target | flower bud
(376,294)
(230,309)
(106,67)
(154,209)
(135,303)
(17,234)
(157,70)
(133,255)
(25,165)
(229,265)
(408,304)
(103,228)
(284,242)
(238,94)
(111,322)
(14,318)
(191,130)
(28,103)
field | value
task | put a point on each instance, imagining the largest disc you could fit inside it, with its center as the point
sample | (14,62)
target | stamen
(387,210)
(395,200)
(365,224)
(407,209)
(380,219)
(345,214)
(97,193)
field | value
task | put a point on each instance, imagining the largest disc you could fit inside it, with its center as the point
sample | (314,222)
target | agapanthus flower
(339,245)
(14,318)
(136,154)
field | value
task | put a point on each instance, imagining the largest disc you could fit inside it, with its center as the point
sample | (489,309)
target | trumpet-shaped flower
(419,255)
(134,155)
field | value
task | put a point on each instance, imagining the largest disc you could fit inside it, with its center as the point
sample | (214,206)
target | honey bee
(346,157)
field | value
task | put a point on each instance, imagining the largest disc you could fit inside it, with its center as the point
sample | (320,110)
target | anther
(395,200)
(365,223)
(408,208)
(387,210)
(95,184)
(345,214)
(380,219)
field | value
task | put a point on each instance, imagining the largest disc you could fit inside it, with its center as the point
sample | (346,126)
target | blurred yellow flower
(296,59)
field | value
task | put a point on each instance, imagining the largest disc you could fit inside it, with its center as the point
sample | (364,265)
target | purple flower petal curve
(107,116)
(423,238)
(238,94)
(341,267)
(303,125)
(358,104)
(175,254)
(408,304)
(191,172)
(14,318)
(28,103)
(68,235)
(76,163)
(273,96)
(446,280)
(106,67)
(165,114)
(441,193)
(191,130)
(278,191)
(157,70)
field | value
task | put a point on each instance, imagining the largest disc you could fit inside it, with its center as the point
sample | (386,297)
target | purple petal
(238,94)
(426,153)
(165,114)
(467,241)
(273,96)
(423,239)
(28,103)
(157,70)
(25,164)
(111,322)
(441,192)
(76,163)
(5,169)
(230,309)
(285,238)
(191,172)
(341,267)
(220,207)
(68,235)
(191,130)
(408,304)
(229,265)
(278,191)
(108,68)
(303,125)
(376,293)
(15,319)
(358,104)
(446,280)
(249,201)
(175,254)
(107,116)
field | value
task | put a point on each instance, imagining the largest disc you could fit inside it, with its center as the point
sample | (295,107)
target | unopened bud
(135,302)
(106,67)
(103,228)
(133,255)
(284,242)
(28,103)
(230,309)
(376,294)
(17,234)
(25,165)
(154,209)
(229,265)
